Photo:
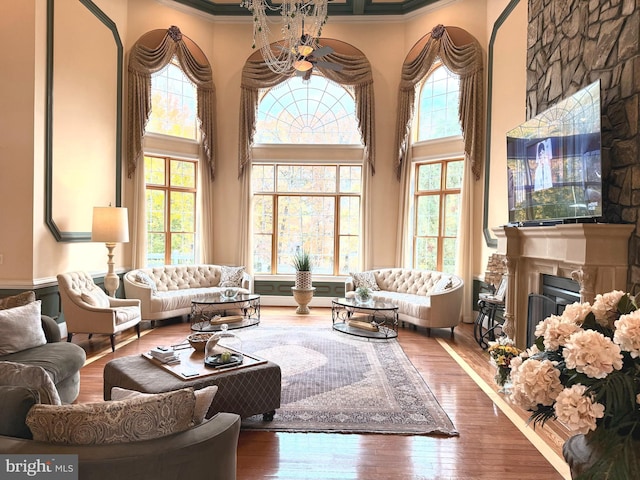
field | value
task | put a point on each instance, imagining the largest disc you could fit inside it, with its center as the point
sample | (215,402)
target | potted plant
(363,294)
(301,261)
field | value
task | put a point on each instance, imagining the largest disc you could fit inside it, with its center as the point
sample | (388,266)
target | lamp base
(111,280)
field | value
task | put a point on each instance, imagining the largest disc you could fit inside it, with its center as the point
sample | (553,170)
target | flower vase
(599,454)
(503,379)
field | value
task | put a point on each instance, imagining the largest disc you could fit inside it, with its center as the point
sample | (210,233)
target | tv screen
(554,170)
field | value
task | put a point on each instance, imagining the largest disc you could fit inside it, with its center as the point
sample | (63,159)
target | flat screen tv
(554,169)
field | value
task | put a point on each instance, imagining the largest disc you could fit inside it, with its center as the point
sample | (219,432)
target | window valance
(356,72)
(150,54)
(464,58)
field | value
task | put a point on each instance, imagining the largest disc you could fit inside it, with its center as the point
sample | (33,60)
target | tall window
(313,205)
(437,181)
(171,180)
(171,210)
(436,212)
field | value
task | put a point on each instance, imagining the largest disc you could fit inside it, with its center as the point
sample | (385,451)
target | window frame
(167,188)
(442,193)
(337,195)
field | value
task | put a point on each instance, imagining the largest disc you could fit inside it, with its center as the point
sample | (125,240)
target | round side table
(303,297)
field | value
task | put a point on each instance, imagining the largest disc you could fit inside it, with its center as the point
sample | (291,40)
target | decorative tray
(192,366)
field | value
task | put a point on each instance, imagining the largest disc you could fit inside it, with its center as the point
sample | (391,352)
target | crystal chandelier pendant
(302,23)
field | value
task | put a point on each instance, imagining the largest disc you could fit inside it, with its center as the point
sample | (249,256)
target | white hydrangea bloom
(557,332)
(542,326)
(576,312)
(577,411)
(627,333)
(535,382)
(605,307)
(591,353)
(638,399)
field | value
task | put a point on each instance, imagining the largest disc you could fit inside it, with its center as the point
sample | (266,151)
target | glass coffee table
(372,319)
(209,312)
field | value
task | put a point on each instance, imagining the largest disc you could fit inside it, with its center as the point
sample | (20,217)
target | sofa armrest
(124,302)
(349,285)
(210,447)
(51,329)
(247,281)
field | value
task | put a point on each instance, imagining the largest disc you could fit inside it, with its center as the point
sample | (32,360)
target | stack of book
(164,355)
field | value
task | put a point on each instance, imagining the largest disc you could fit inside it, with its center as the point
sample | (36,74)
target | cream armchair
(87,309)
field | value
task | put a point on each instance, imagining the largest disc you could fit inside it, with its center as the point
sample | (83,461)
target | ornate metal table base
(208,308)
(378,320)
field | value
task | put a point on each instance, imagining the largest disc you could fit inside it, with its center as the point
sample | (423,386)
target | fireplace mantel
(593,254)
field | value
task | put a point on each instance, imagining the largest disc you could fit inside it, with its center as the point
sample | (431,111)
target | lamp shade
(110,224)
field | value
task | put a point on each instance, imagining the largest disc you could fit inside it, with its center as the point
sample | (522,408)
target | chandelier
(302,22)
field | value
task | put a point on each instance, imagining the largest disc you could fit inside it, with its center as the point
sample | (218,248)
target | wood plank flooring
(494,440)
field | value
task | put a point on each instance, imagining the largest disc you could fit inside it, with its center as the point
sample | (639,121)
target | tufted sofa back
(179,277)
(416,282)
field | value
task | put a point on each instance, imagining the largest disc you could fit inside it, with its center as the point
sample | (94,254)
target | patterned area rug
(332,382)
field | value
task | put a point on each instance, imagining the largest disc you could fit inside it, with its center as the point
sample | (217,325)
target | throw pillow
(121,421)
(231,276)
(15,403)
(204,397)
(145,279)
(21,328)
(445,283)
(365,279)
(30,376)
(17,300)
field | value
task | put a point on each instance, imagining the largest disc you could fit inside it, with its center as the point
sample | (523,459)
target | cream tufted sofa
(166,291)
(424,298)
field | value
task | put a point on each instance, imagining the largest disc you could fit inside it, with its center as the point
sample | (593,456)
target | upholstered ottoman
(246,391)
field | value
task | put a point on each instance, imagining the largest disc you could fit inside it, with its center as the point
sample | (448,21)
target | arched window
(310,111)
(171,179)
(438,105)
(173,103)
(309,196)
(436,180)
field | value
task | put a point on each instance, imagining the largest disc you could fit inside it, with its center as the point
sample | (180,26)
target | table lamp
(110,225)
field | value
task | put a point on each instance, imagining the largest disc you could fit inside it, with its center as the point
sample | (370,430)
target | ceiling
(336,7)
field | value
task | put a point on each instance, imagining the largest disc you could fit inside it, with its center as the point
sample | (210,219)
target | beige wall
(508,105)
(227,43)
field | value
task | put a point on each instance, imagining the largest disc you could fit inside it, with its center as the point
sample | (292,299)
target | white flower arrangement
(584,368)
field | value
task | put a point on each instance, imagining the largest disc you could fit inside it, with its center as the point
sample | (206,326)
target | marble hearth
(592,254)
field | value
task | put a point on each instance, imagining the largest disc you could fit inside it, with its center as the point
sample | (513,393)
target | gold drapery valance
(356,72)
(150,54)
(461,53)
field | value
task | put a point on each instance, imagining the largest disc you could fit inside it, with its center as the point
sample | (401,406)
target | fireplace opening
(557,293)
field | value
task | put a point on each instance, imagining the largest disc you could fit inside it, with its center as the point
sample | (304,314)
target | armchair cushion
(15,403)
(17,300)
(95,297)
(130,420)
(30,376)
(21,328)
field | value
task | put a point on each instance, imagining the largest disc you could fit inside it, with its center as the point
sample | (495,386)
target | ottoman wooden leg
(268,417)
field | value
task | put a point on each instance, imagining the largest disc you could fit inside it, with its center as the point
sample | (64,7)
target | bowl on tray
(199,340)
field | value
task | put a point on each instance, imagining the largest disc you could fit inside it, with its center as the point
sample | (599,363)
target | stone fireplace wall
(572,43)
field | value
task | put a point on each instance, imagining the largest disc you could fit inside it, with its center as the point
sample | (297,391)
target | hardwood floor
(494,440)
